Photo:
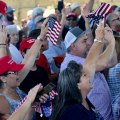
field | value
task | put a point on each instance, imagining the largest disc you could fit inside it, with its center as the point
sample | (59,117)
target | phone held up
(48,88)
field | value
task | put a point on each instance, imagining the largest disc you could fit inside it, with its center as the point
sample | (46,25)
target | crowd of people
(83,65)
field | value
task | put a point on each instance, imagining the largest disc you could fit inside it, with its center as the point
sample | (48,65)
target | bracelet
(96,40)
(38,38)
(3,44)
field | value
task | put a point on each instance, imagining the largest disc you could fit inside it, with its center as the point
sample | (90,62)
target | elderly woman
(74,85)
(12,31)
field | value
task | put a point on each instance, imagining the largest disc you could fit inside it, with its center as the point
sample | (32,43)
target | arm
(90,4)
(30,57)
(24,108)
(89,66)
(106,56)
(3,42)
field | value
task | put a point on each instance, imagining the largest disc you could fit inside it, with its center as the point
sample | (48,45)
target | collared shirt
(100,94)
(114,84)
(53,51)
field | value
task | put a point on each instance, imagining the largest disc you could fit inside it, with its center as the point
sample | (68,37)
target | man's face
(72,21)
(82,45)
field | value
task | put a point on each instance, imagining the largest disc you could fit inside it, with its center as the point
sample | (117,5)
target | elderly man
(77,44)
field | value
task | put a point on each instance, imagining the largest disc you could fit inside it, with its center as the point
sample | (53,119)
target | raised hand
(44,28)
(108,34)
(3,35)
(100,32)
(33,92)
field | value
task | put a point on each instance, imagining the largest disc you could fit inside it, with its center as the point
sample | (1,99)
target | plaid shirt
(114,85)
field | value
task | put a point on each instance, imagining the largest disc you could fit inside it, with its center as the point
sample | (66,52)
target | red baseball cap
(7,64)
(3,7)
(71,15)
(26,44)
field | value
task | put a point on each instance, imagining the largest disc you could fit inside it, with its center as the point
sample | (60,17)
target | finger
(43,99)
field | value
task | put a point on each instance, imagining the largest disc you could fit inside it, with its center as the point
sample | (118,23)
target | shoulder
(4,106)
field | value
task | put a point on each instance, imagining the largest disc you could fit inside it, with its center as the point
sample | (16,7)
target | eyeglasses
(116,19)
(8,73)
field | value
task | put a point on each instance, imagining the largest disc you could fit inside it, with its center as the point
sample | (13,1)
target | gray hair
(67,89)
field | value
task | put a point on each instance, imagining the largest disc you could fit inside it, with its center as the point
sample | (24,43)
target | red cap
(7,64)
(26,44)
(71,15)
(3,7)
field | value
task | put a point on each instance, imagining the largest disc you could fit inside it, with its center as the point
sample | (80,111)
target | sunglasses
(116,19)
(8,73)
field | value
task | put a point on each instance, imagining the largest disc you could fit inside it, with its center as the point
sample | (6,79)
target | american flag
(54,28)
(100,13)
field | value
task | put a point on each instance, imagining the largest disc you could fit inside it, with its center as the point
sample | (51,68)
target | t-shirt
(34,78)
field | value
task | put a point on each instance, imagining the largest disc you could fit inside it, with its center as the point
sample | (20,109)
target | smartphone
(60,5)
(48,88)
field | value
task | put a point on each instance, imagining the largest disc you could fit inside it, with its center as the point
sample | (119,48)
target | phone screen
(48,88)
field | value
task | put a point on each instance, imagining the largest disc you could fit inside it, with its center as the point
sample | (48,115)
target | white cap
(73,6)
(11,29)
(72,36)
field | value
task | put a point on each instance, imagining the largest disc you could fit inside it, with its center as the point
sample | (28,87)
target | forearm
(106,56)
(94,53)
(87,25)
(89,66)
(90,4)
(21,112)
(29,59)
(3,50)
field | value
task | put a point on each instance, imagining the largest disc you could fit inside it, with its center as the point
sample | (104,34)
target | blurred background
(22,6)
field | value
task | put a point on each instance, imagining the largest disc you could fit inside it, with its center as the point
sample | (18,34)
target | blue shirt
(114,84)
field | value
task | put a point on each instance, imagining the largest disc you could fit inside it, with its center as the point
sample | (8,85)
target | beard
(117,27)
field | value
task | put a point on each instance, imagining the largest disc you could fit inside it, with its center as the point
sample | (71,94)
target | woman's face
(14,38)
(84,84)
(12,79)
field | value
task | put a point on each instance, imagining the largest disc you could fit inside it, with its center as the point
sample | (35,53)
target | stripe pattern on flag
(54,28)
(100,13)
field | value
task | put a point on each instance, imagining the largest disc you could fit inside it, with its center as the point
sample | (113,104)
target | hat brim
(16,67)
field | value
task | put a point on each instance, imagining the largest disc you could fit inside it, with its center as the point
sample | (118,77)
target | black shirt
(33,78)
